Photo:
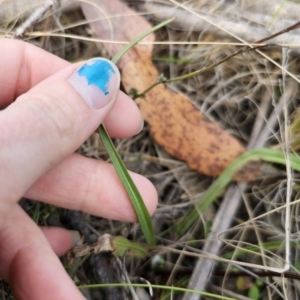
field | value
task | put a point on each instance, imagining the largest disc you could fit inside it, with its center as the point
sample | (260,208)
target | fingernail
(97,82)
(75,237)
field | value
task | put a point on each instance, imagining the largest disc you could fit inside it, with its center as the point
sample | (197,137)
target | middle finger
(91,186)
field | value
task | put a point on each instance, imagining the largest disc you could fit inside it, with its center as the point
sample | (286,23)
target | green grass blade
(215,190)
(116,58)
(133,193)
(156,286)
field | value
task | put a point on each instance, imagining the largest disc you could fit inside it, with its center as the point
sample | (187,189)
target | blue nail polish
(99,73)
(97,82)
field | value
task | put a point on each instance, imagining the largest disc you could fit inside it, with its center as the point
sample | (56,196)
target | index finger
(27,65)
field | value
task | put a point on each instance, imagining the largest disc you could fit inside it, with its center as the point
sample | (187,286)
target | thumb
(51,121)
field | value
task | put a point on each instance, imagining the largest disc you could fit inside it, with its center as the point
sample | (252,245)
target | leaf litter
(232,95)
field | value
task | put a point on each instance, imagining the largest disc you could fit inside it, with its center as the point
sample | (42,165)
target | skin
(43,121)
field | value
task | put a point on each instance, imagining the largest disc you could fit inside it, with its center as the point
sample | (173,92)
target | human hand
(40,131)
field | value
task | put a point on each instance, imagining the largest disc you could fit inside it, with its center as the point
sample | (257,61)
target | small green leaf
(133,93)
(259,283)
(124,246)
(254,292)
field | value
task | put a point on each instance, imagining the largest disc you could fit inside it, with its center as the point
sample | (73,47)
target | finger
(124,120)
(50,122)
(22,61)
(91,186)
(28,263)
(60,239)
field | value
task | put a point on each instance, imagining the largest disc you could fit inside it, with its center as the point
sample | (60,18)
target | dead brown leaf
(104,244)
(174,121)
